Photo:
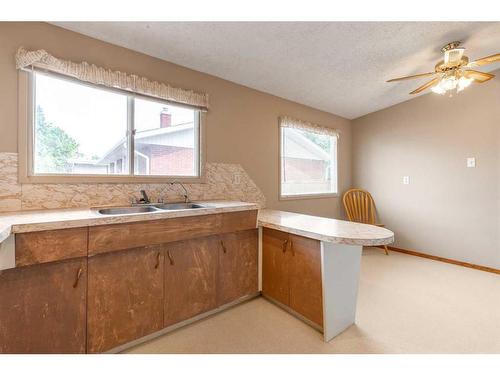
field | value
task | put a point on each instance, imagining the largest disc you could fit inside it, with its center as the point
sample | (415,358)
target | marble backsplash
(221,184)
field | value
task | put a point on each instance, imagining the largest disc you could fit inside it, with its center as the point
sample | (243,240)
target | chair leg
(386,250)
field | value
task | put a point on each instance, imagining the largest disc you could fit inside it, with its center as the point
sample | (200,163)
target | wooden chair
(360,207)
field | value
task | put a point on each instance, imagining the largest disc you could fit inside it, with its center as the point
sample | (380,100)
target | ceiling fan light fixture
(452,82)
(453,72)
(449,83)
(438,89)
(446,83)
(463,82)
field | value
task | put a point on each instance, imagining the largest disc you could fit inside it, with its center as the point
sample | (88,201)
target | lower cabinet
(43,308)
(190,278)
(306,295)
(291,273)
(133,293)
(97,303)
(125,297)
(238,265)
(275,265)
(204,273)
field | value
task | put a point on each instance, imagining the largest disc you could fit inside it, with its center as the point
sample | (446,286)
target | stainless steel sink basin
(178,206)
(150,208)
(126,210)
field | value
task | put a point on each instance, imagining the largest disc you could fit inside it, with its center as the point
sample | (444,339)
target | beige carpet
(406,305)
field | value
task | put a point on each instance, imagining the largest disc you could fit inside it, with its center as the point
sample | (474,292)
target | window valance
(110,78)
(289,122)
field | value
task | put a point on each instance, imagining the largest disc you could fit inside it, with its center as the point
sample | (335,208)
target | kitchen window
(308,160)
(83,132)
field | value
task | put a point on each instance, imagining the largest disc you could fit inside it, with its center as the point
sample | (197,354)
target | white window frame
(26,117)
(284,197)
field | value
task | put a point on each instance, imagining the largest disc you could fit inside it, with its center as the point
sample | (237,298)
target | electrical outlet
(406,180)
(236,179)
(471,162)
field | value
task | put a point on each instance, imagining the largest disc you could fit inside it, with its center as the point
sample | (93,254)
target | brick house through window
(306,167)
(165,150)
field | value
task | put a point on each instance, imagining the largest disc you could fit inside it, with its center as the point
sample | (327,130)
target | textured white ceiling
(338,67)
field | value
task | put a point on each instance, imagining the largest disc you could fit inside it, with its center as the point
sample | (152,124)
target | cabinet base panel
(317,327)
(184,323)
(340,271)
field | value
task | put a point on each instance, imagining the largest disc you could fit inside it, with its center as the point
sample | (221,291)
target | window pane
(308,164)
(166,141)
(78,129)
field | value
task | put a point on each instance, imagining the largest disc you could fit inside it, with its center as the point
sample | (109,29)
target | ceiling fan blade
(485,60)
(426,86)
(412,77)
(479,77)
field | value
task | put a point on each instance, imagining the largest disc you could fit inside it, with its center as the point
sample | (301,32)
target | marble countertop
(325,229)
(33,221)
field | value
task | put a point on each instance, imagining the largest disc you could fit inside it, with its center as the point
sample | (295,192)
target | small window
(82,129)
(308,163)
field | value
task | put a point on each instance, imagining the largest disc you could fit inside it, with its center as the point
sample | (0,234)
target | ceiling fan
(454,71)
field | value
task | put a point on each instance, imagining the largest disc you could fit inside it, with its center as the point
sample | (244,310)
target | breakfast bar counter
(310,266)
(325,229)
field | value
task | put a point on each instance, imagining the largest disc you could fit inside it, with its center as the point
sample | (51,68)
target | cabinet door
(190,278)
(275,274)
(43,308)
(238,265)
(305,278)
(125,297)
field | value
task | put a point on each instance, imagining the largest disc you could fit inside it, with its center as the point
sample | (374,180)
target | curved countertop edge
(325,229)
(40,220)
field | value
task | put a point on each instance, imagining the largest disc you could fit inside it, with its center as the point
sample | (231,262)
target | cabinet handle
(223,246)
(291,248)
(285,245)
(157,260)
(78,275)
(170,258)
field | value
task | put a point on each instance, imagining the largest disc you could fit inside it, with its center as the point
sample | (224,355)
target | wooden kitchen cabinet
(50,245)
(107,238)
(125,297)
(291,273)
(305,278)
(43,308)
(190,278)
(238,265)
(94,289)
(275,265)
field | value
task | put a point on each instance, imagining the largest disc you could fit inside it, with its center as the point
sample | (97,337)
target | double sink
(149,208)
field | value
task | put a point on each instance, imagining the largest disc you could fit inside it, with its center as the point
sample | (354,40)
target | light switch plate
(406,180)
(471,162)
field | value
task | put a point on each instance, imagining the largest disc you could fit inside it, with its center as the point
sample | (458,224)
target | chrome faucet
(185,195)
(145,199)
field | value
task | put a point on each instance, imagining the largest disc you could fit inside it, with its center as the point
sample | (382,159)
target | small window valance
(110,78)
(289,122)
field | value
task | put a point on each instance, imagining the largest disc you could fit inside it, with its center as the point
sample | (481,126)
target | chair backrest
(359,206)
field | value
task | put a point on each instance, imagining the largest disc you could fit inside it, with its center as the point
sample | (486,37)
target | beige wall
(448,210)
(241,124)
